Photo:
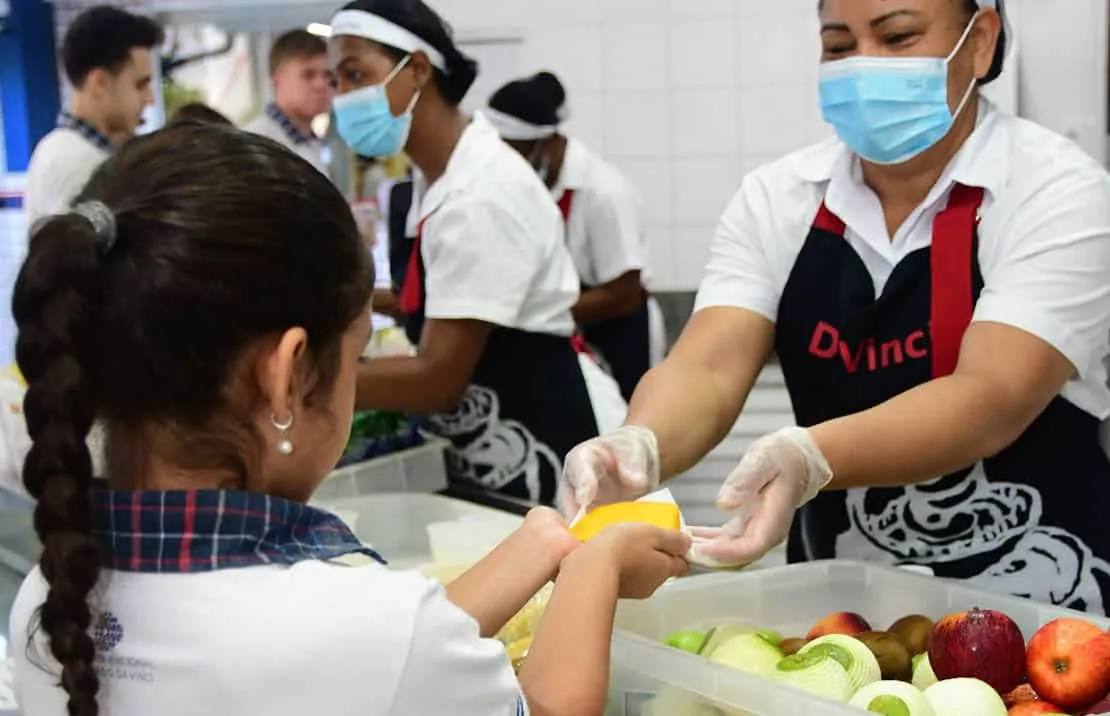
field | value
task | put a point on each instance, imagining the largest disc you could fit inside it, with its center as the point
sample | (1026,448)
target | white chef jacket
(1044,236)
(273,125)
(311,638)
(60,167)
(605,231)
(492,240)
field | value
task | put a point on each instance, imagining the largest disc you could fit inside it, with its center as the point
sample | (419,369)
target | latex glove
(618,467)
(780,473)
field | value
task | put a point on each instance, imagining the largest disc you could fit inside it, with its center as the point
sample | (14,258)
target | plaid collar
(295,135)
(210,530)
(91,134)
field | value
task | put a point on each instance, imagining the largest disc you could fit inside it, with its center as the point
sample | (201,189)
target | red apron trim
(951,257)
(828,221)
(581,347)
(412,294)
(566,202)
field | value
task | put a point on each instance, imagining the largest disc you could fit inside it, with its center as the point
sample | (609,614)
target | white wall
(688,95)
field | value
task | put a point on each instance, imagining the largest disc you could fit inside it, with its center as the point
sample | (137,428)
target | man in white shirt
(107,59)
(302,92)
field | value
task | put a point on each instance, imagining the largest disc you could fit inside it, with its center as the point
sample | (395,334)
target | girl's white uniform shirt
(328,639)
(1044,237)
(492,240)
(605,232)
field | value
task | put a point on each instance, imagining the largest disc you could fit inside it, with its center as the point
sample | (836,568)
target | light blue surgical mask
(889,110)
(366,123)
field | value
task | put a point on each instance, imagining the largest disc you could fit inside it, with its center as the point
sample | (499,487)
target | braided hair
(187,248)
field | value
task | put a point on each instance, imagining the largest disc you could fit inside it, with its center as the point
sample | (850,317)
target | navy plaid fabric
(209,530)
(86,130)
(295,135)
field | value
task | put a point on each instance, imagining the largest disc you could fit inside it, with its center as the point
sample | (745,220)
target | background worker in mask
(933,282)
(605,229)
(489,279)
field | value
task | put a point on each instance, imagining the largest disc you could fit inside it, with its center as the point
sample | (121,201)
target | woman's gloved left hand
(780,473)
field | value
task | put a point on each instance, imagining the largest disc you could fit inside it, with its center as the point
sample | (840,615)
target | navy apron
(400,250)
(526,407)
(1030,521)
(625,341)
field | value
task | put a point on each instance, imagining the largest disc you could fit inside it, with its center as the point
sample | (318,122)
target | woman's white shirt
(312,638)
(1044,236)
(493,241)
(605,231)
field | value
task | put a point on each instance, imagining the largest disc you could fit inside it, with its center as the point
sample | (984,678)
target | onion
(853,655)
(815,672)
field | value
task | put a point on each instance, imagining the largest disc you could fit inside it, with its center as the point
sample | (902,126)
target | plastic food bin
(649,679)
(396,525)
(419,469)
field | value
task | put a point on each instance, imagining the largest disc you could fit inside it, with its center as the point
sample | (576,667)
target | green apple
(923,674)
(747,652)
(771,636)
(687,640)
(964,697)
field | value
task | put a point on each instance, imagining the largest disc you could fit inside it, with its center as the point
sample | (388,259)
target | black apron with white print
(1030,521)
(624,342)
(525,408)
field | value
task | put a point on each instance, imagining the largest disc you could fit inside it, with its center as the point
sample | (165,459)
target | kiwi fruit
(895,660)
(914,632)
(791,646)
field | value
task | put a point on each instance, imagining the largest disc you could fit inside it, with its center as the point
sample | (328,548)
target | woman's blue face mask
(889,110)
(366,123)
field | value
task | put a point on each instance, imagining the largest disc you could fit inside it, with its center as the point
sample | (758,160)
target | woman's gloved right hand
(619,467)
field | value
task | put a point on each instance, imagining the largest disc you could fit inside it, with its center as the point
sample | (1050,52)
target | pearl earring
(285,445)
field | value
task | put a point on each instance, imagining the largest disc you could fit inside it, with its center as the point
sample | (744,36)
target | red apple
(1036,708)
(981,644)
(1100,709)
(1020,695)
(1069,663)
(839,623)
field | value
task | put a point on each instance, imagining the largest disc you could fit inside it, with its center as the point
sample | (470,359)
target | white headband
(358,23)
(517,130)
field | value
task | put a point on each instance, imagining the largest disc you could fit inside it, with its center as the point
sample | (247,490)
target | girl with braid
(207,301)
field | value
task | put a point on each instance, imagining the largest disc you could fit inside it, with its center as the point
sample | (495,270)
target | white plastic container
(419,469)
(789,600)
(396,525)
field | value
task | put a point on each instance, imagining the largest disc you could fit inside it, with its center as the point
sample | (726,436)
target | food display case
(651,679)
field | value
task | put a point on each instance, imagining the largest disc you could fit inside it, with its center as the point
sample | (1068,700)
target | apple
(1036,708)
(687,640)
(771,636)
(980,644)
(964,697)
(1020,695)
(1068,662)
(1102,708)
(747,652)
(847,623)
(923,676)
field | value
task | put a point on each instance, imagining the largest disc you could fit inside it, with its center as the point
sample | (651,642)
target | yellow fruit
(660,514)
(518,650)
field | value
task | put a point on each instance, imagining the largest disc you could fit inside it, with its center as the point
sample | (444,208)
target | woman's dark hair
(198,112)
(422,21)
(221,239)
(970,8)
(538,99)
